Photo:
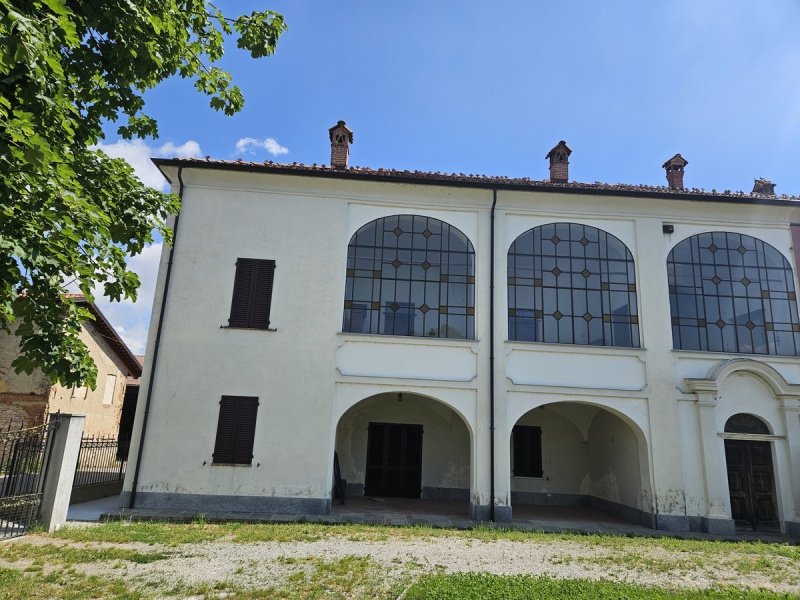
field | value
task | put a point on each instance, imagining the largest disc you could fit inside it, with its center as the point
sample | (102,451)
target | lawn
(202,560)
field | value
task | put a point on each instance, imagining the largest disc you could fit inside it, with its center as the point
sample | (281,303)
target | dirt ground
(213,564)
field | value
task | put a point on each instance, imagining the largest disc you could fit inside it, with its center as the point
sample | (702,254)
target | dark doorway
(751,480)
(394,460)
(127,415)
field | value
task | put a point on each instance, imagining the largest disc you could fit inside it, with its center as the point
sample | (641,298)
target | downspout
(156,344)
(491,358)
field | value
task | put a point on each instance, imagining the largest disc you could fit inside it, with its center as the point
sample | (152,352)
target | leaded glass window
(744,423)
(572,284)
(731,292)
(410,275)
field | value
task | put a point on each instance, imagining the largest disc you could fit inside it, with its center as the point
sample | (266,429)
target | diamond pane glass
(422,274)
(572,284)
(739,298)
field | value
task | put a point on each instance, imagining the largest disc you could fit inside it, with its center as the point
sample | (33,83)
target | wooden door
(394,460)
(751,480)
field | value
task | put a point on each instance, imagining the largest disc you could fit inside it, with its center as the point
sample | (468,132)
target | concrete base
(793,529)
(483,512)
(672,523)
(219,503)
(718,526)
(84,493)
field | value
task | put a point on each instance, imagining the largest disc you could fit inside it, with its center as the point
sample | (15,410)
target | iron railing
(99,461)
(24,454)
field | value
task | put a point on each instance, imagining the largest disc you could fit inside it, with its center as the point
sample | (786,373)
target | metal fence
(24,455)
(99,461)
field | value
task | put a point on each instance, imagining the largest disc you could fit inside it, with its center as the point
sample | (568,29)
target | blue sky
(489,88)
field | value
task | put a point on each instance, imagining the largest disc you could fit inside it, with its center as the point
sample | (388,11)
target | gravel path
(264,564)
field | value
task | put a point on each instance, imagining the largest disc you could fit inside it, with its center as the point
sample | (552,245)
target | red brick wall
(21,410)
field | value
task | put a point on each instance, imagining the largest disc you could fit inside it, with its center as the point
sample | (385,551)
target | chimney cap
(763,186)
(341,125)
(675,161)
(562,145)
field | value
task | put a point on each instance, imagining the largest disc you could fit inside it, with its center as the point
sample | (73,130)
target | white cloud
(250,145)
(138,153)
(190,149)
(131,319)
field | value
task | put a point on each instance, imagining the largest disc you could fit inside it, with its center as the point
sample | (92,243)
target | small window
(236,430)
(527,451)
(110,389)
(252,293)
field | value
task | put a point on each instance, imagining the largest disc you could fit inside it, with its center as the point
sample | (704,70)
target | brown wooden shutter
(527,451)
(262,295)
(236,430)
(252,293)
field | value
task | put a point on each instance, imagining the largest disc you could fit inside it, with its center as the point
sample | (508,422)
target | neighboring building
(504,342)
(26,399)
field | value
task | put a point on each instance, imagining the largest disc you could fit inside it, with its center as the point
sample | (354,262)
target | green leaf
(70,213)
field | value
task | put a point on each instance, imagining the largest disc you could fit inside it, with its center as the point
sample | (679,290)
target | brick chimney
(674,167)
(559,162)
(764,187)
(341,138)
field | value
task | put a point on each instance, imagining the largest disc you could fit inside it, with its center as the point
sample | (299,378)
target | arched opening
(402,452)
(589,463)
(751,475)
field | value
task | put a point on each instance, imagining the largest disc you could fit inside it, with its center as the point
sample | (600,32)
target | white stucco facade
(637,431)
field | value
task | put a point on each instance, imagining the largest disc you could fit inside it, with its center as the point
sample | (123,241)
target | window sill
(272,329)
(407,339)
(750,355)
(216,464)
(539,477)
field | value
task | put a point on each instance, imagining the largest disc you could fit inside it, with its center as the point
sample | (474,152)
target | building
(464,337)
(25,400)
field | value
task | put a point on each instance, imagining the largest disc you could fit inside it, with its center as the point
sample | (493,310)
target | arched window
(744,423)
(572,284)
(410,275)
(730,292)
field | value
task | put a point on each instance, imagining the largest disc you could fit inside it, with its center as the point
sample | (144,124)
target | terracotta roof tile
(474,180)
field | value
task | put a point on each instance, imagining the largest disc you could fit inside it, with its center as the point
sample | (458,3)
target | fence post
(64,448)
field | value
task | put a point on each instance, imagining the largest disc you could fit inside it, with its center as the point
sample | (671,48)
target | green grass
(70,555)
(467,586)
(347,578)
(66,585)
(177,534)
(361,577)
